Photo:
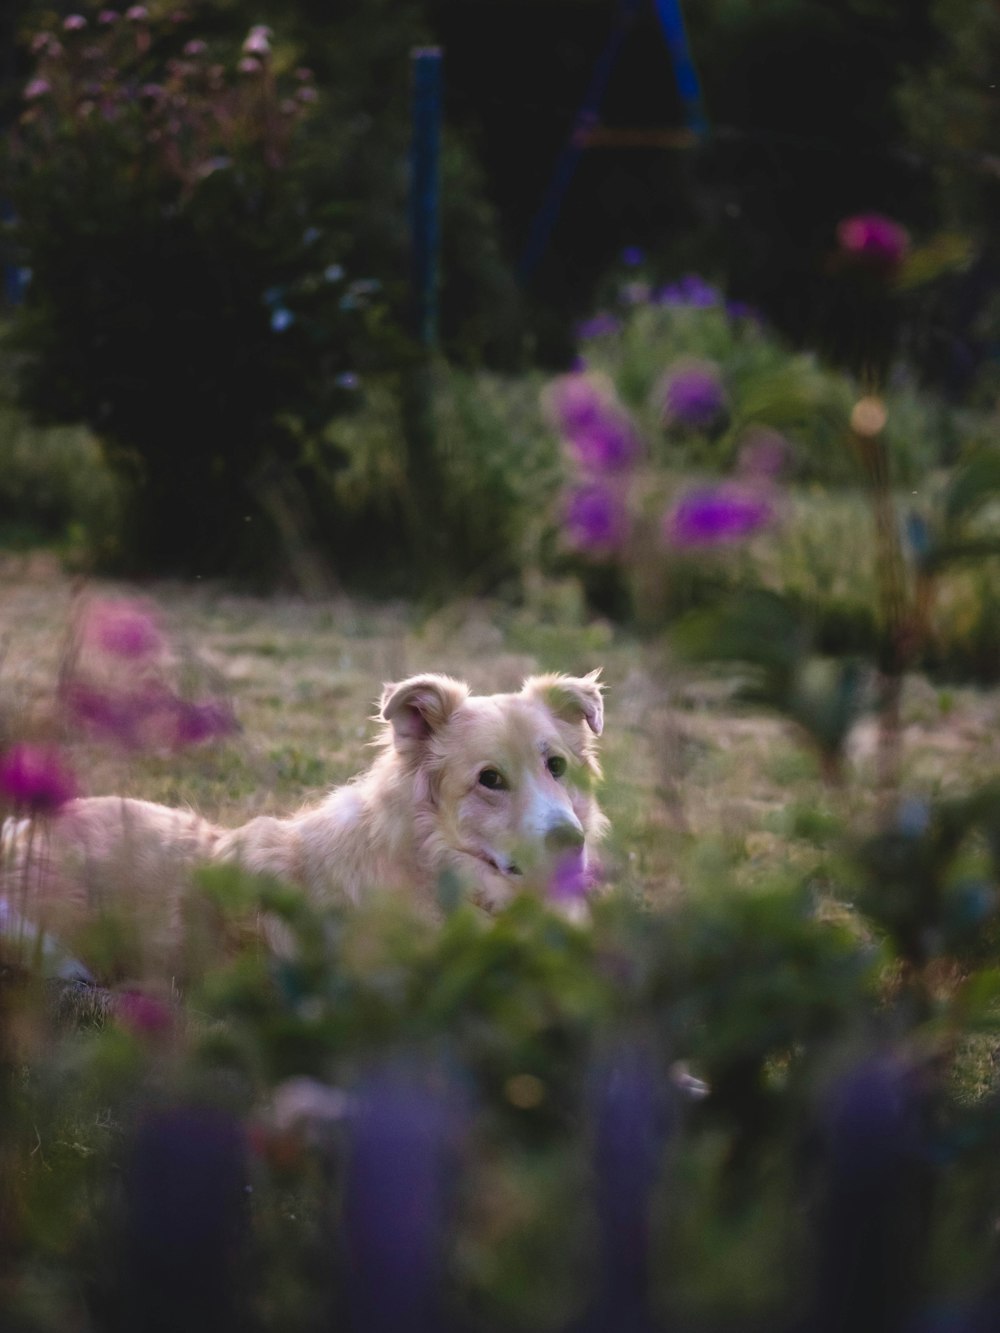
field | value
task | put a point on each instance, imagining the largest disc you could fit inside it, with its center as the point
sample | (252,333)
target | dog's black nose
(566,836)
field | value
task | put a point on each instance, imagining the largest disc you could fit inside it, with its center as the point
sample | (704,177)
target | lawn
(692,774)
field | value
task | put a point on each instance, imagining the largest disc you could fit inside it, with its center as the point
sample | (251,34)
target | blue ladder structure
(585,134)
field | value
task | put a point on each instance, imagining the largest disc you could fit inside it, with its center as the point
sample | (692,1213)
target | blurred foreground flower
(691,290)
(150,716)
(36,779)
(121,628)
(631,1115)
(874,1215)
(873,240)
(397,1195)
(691,395)
(716,515)
(186,1195)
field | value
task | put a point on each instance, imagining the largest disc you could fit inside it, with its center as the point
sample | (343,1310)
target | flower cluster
(609,481)
(35,779)
(117,687)
(873,241)
(163,97)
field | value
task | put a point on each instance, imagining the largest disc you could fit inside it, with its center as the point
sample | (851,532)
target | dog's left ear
(572,698)
(420,706)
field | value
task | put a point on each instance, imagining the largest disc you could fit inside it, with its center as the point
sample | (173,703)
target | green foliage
(186,300)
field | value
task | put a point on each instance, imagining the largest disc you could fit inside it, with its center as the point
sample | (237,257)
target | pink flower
(249,65)
(716,515)
(37,88)
(258,41)
(35,778)
(873,240)
(108,16)
(195,47)
(137,14)
(74,22)
(125,629)
(307,94)
(599,431)
(144,1015)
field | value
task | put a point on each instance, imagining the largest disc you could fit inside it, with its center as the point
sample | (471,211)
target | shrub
(186,299)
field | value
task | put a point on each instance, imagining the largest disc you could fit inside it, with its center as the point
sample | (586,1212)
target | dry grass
(694,781)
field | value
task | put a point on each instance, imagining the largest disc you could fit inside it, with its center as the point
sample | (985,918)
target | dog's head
(504,782)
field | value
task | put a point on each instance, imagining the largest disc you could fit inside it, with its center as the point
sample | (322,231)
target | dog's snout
(564,836)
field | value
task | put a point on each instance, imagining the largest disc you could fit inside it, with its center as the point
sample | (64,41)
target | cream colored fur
(496,789)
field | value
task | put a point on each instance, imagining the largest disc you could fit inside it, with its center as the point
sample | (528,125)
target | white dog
(496,789)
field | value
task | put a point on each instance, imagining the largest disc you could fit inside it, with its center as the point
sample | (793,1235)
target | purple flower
(210,720)
(572,879)
(692,395)
(397,1193)
(691,290)
(185,1200)
(74,23)
(125,629)
(137,14)
(108,16)
(37,88)
(600,326)
(144,1015)
(148,717)
(195,47)
(35,778)
(633,256)
(595,518)
(597,428)
(715,515)
(249,65)
(873,240)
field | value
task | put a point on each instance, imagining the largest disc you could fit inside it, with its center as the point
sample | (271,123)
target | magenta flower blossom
(125,629)
(149,717)
(595,518)
(137,14)
(715,516)
(144,1015)
(873,240)
(572,879)
(36,779)
(195,47)
(108,16)
(692,395)
(37,88)
(74,23)
(597,428)
(249,65)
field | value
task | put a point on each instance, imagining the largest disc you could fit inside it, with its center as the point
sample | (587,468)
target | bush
(186,299)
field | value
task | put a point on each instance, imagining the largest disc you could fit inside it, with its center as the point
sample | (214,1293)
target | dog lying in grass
(496,790)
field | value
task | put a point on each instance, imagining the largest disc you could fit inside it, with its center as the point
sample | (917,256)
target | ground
(693,778)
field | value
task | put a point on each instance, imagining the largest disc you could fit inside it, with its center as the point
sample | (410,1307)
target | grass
(691,775)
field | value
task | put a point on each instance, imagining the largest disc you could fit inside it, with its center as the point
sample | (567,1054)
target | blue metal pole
(425,188)
(688,84)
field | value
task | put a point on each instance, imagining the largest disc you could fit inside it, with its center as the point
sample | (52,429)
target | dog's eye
(556,765)
(491,779)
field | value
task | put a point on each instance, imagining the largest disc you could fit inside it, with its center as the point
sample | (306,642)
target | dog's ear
(571,698)
(418,707)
